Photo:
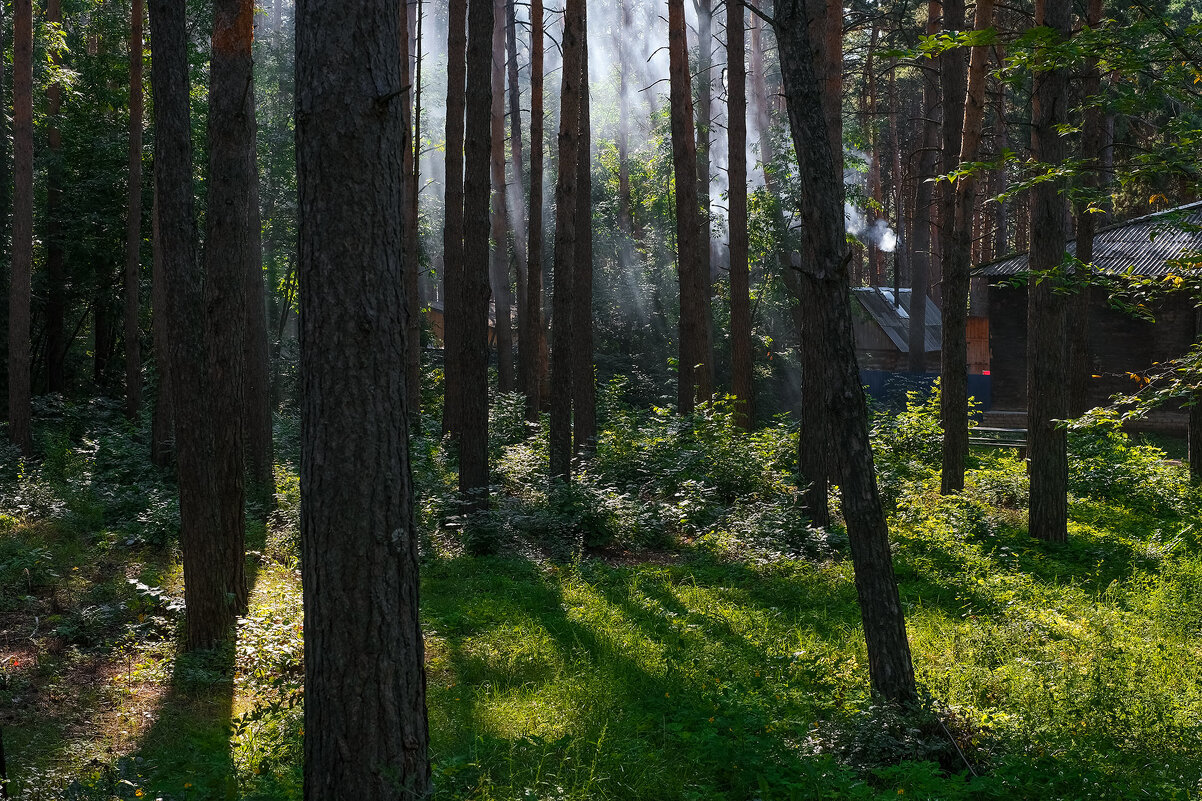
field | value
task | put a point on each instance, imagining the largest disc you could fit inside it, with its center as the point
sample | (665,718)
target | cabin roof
(894,317)
(1151,246)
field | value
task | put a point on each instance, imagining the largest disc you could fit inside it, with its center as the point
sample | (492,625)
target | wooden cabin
(1118,343)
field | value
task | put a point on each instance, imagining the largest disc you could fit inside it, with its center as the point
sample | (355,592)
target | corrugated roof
(894,317)
(1144,246)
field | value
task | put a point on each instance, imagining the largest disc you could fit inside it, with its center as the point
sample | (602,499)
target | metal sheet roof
(1144,246)
(894,317)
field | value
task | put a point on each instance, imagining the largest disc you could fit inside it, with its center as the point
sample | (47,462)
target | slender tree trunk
(584,390)
(516,194)
(473,323)
(5,198)
(533,324)
(692,370)
(56,276)
(566,231)
(365,684)
(957,265)
(625,220)
(824,274)
(412,272)
(133,221)
(452,229)
(499,222)
(920,259)
(704,120)
(1091,153)
(1047,368)
(740,280)
(162,426)
(19,407)
(1001,209)
(1195,418)
(210,463)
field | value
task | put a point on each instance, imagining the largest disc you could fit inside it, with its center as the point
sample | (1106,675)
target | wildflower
(138,793)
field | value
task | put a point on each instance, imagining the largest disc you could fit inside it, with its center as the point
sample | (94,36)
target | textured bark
(499,217)
(210,467)
(584,390)
(704,120)
(824,275)
(233,245)
(533,324)
(957,264)
(1086,222)
(566,231)
(516,194)
(412,274)
(472,339)
(920,258)
(162,425)
(452,227)
(740,289)
(133,221)
(19,408)
(1047,357)
(693,381)
(366,733)
(56,275)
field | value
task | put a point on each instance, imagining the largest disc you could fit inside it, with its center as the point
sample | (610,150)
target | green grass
(728,663)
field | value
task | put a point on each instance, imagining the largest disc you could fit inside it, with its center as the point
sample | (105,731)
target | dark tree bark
(210,465)
(920,258)
(1047,356)
(499,217)
(693,379)
(533,324)
(704,120)
(957,265)
(740,281)
(366,733)
(472,339)
(19,408)
(162,424)
(452,229)
(56,274)
(824,275)
(236,303)
(412,275)
(1091,152)
(516,194)
(133,221)
(566,231)
(584,390)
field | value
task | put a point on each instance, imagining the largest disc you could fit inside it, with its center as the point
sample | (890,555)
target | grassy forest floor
(669,627)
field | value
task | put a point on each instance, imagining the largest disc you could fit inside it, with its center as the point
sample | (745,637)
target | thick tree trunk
(133,221)
(920,258)
(584,390)
(19,407)
(473,324)
(824,275)
(957,266)
(499,218)
(210,465)
(452,228)
(1091,153)
(740,281)
(566,231)
(162,425)
(1047,368)
(365,684)
(534,324)
(56,275)
(693,380)
(704,120)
